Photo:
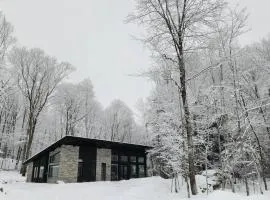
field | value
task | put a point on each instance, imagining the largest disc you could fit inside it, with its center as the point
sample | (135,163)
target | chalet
(76,159)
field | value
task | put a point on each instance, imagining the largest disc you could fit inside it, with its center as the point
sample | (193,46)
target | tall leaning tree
(37,76)
(175,28)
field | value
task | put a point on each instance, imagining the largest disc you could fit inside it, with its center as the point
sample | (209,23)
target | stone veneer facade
(103,156)
(68,167)
(68,164)
(29,172)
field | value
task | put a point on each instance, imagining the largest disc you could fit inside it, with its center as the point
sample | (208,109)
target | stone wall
(68,168)
(149,166)
(103,156)
(68,164)
(29,172)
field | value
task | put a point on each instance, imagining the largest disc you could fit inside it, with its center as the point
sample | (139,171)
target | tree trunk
(23,167)
(247,188)
(30,135)
(232,185)
(188,127)
(18,157)
(188,190)
(262,160)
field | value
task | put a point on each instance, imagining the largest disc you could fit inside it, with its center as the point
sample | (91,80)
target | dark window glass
(124,158)
(41,171)
(54,165)
(55,158)
(133,171)
(123,172)
(114,157)
(141,159)
(141,171)
(132,158)
(35,172)
(114,172)
(53,170)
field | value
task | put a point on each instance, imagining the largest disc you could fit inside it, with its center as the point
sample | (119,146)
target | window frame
(41,172)
(114,177)
(141,162)
(139,172)
(114,155)
(53,164)
(131,161)
(135,175)
(123,161)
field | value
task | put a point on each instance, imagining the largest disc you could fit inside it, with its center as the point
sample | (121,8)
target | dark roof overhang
(79,141)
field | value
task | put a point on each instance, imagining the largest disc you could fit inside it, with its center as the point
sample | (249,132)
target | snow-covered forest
(38,105)
(209,109)
(210,106)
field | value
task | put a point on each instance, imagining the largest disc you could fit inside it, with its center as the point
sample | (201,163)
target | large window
(133,171)
(53,170)
(126,165)
(55,158)
(132,159)
(54,165)
(115,157)
(123,158)
(35,172)
(141,171)
(41,171)
(123,169)
(114,172)
(141,159)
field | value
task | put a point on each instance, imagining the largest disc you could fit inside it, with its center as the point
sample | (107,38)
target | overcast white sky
(91,35)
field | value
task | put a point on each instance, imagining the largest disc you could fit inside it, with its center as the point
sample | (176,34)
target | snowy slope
(154,188)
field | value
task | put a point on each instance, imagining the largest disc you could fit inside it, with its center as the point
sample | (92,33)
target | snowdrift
(154,188)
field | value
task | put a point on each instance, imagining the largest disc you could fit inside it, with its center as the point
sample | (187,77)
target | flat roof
(78,141)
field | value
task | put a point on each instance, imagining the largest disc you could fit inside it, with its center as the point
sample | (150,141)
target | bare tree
(68,103)
(6,38)
(37,76)
(6,41)
(174,29)
(119,122)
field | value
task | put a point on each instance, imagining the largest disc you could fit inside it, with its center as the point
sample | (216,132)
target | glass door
(123,172)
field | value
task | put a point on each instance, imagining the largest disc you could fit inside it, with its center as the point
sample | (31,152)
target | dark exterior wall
(39,169)
(87,163)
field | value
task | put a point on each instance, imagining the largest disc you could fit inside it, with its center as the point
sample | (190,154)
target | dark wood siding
(40,169)
(87,164)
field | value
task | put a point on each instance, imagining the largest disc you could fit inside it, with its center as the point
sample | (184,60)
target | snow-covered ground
(153,188)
